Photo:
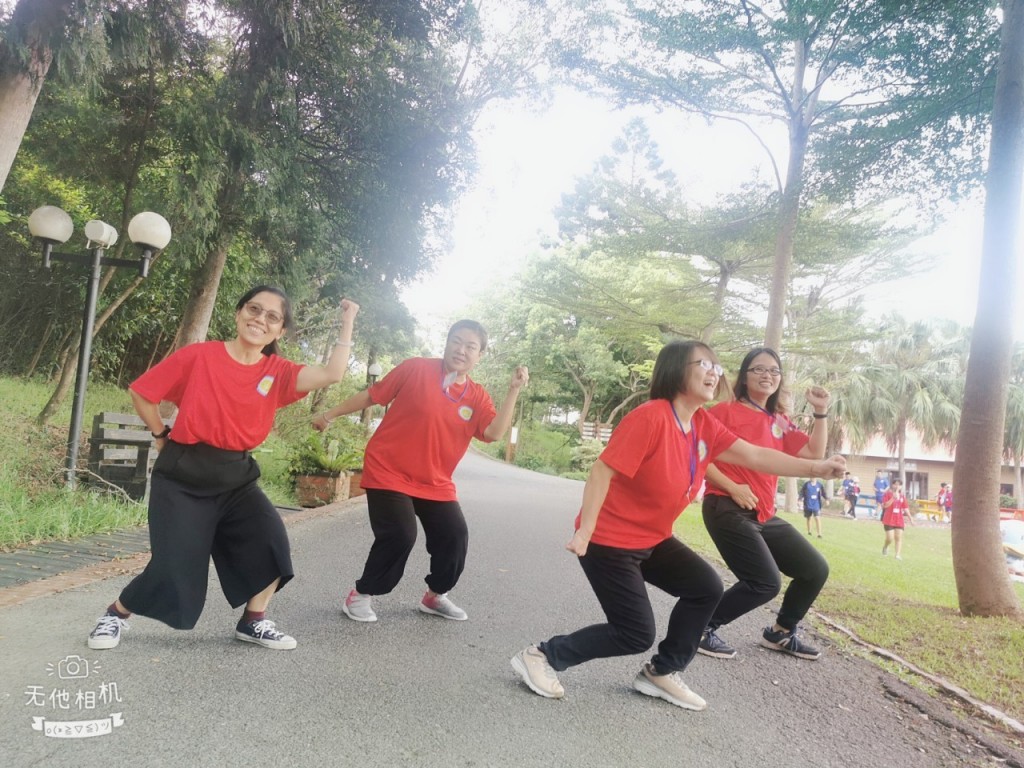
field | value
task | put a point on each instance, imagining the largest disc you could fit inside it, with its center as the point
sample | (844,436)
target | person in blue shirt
(812,494)
(881,486)
(849,505)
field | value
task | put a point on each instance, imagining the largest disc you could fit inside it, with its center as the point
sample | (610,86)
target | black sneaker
(107,633)
(264,632)
(712,645)
(788,642)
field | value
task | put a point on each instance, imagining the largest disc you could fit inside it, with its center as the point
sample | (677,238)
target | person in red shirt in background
(895,510)
(739,512)
(434,410)
(203,498)
(651,469)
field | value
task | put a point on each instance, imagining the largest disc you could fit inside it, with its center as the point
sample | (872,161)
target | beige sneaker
(532,665)
(669,687)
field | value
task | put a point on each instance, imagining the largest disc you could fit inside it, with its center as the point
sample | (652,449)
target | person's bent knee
(635,640)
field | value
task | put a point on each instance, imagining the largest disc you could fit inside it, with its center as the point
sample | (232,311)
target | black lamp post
(52,226)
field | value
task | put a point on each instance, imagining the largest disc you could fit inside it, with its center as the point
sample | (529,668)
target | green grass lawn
(908,607)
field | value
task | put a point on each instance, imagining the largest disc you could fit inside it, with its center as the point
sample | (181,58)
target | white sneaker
(533,666)
(669,687)
(440,605)
(358,607)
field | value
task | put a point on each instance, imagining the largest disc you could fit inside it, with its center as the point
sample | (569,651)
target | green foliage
(321,454)
(585,454)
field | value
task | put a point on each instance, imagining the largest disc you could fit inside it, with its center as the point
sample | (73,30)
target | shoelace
(545,666)
(109,625)
(265,628)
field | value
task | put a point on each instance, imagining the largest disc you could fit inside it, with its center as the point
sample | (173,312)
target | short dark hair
(272,348)
(469,325)
(742,392)
(668,378)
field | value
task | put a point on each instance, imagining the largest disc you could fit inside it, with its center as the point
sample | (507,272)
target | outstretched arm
(503,418)
(319,376)
(777,463)
(358,402)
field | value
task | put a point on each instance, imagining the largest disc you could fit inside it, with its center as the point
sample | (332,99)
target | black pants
(756,553)
(619,578)
(393,520)
(239,527)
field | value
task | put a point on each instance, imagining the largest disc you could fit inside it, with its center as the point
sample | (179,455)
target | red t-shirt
(221,402)
(767,431)
(426,430)
(658,471)
(893,515)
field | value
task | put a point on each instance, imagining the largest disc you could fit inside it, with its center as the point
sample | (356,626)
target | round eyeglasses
(761,370)
(707,365)
(255,310)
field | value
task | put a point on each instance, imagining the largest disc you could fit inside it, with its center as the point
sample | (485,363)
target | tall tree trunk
(901,455)
(35,22)
(68,368)
(195,321)
(982,582)
(40,348)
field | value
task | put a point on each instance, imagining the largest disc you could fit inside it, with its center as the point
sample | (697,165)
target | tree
(982,582)
(888,83)
(911,381)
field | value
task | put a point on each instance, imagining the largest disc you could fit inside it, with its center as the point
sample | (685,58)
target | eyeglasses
(707,365)
(255,310)
(760,370)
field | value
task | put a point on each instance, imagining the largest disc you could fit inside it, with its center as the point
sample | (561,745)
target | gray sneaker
(107,633)
(788,642)
(712,645)
(532,665)
(669,687)
(358,607)
(440,605)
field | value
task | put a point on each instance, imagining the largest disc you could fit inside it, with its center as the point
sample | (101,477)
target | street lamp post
(373,372)
(52,226)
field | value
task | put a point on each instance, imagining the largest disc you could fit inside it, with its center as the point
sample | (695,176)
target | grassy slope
(908,606)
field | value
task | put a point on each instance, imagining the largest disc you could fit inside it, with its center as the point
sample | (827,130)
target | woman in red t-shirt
(434,410)
(739,512)
(204,500)
(650,471)
(895,510)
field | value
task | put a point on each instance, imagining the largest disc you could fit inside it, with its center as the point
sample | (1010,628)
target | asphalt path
(417,690)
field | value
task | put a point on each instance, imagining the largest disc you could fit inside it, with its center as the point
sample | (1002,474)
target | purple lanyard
(693,447)
(444,389)
(765,411)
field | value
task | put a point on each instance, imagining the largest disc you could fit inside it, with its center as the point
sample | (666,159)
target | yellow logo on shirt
(702,450)
(777,430)
(265,384)
(465,413)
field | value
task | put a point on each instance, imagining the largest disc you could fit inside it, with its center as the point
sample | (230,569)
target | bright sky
(528,160)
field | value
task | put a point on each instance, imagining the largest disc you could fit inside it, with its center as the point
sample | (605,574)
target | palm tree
(912,381)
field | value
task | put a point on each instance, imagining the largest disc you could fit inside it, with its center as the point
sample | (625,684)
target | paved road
(415,690)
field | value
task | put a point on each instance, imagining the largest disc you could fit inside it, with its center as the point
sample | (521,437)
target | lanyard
(444,387)
(765,411)
(693,446)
